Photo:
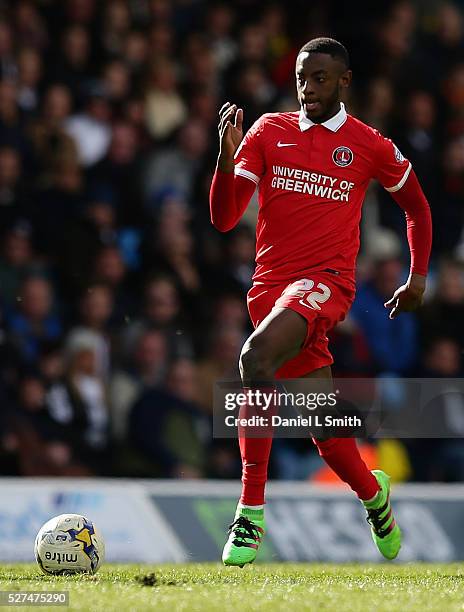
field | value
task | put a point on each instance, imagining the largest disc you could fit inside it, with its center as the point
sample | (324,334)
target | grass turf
(208,587)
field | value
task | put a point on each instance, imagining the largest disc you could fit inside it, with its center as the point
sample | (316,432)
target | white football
(69,544)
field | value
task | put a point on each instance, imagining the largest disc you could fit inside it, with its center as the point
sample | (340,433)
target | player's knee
(256,362)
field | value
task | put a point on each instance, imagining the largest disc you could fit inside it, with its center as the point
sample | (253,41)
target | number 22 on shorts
(310,299)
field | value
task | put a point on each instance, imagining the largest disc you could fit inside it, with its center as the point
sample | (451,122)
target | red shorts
(323,300)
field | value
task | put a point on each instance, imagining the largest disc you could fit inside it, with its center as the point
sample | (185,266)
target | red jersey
(312,179)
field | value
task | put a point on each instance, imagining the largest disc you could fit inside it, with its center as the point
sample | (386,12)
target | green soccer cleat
(385,532)
(245,535)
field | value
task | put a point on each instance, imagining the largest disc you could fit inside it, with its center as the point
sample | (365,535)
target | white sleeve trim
(247,174)
(402,182)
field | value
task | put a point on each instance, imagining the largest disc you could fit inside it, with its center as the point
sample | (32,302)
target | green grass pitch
(208,587)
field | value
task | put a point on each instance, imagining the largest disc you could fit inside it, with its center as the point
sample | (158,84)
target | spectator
(72,67)
(82,12)
(29,76)
(116,23)
(78,404)
(40,449)
(165,109)
(17,261)
(219,363)
(254,90)
(240,255)
(352,357)
(145,367)
(90,129)
(161,40)
(116,81)
(9,459)
(56,204)
(446,45)
(200,64)
(96,228)
(167,432)
(176,256)
(51,362)
(418,138)
(95,309)
(29,26)
(181,380)
(162,309)
(443,314)
(219,23)
(50,143)
(118,172)
(110,269)
(11,123)
(13,199)
(441,458)
(136,51)
(449,218)
(229,310)
(380,100)
(392,343)
(175,167)
(8,64)
(33,320)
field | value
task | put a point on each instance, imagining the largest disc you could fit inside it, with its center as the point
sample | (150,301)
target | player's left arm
(397,176)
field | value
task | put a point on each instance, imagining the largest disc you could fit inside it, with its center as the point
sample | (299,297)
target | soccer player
(312,169)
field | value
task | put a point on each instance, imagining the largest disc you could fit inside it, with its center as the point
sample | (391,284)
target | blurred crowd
(120,304)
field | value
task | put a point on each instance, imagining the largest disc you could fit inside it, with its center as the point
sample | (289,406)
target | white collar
(332,124)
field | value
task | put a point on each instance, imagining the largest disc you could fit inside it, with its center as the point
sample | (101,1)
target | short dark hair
(327,45)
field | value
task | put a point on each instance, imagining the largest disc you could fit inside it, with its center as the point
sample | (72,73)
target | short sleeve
(249,157)
(391,168)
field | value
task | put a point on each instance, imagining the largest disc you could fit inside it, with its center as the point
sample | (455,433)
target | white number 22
(314,298)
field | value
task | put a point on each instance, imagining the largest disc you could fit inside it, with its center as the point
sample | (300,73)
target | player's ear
(345,78)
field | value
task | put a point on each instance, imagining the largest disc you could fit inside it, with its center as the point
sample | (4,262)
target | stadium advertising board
(315,520)
(133,529)
(174,521)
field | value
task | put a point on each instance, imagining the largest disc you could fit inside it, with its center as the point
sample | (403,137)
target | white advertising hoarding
(133,529)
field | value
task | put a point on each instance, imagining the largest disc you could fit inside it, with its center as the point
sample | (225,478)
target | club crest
(342,156)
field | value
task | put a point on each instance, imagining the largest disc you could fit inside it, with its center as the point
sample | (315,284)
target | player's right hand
(230,134)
